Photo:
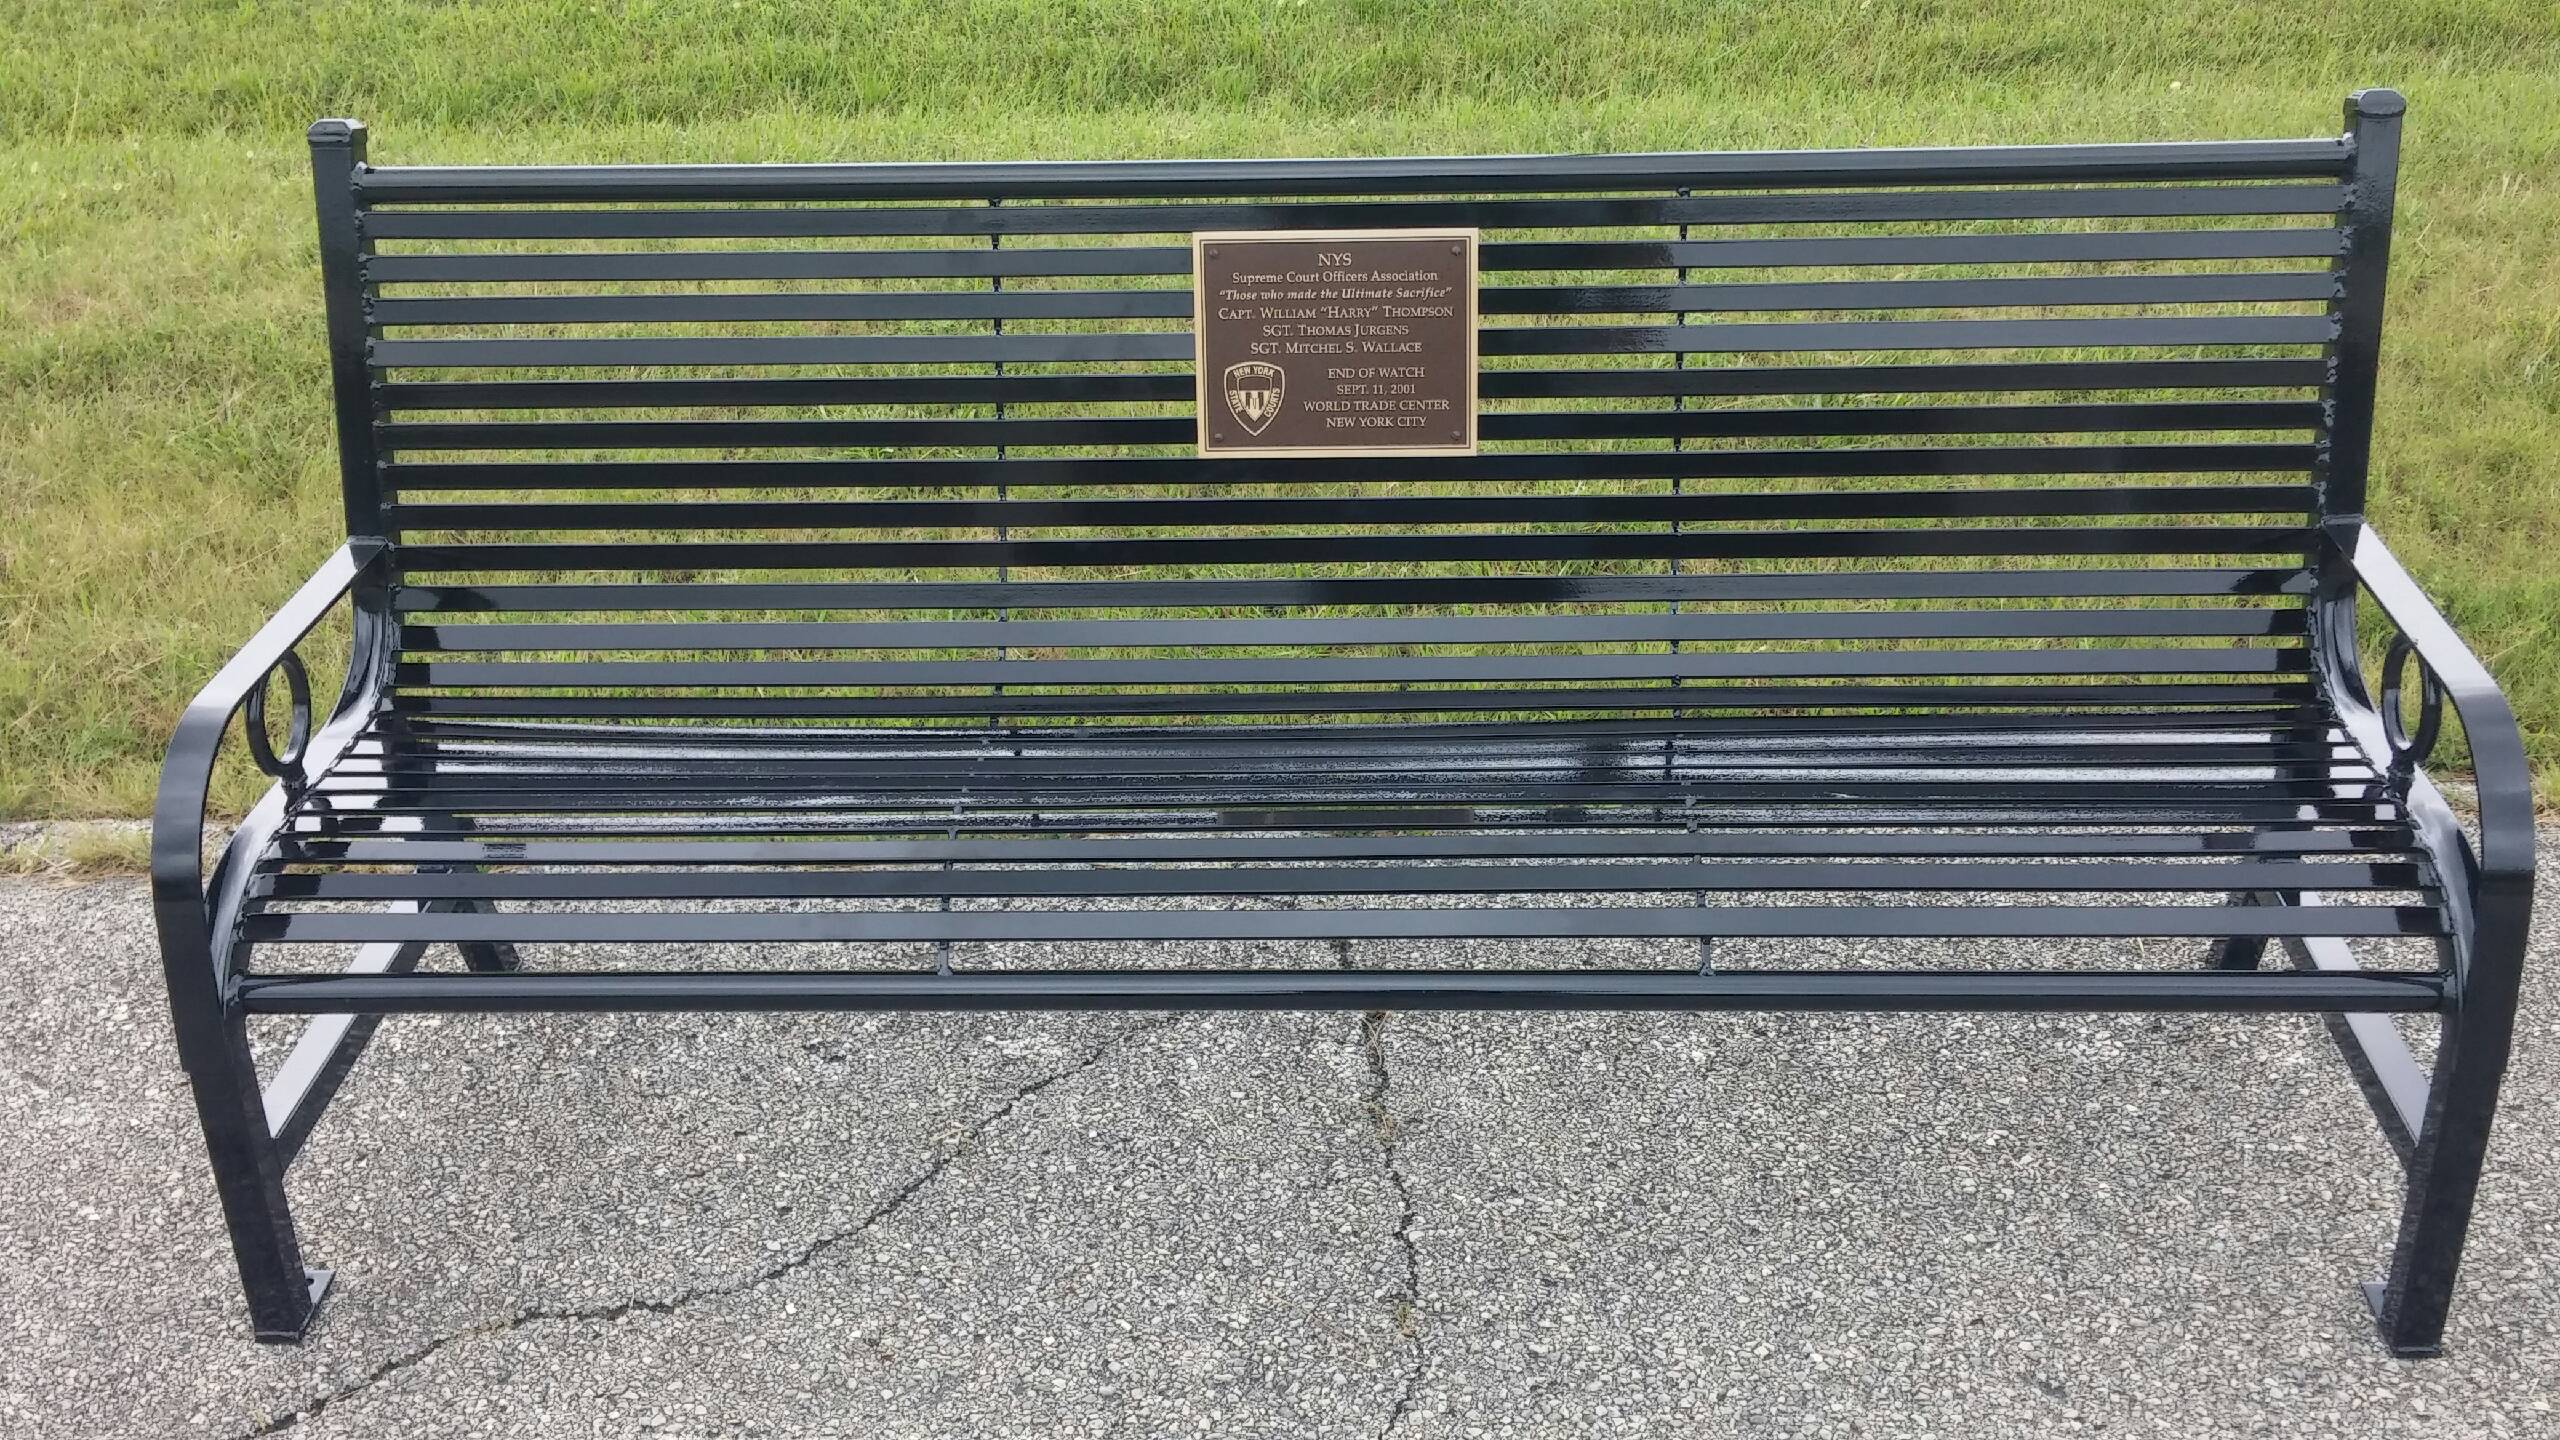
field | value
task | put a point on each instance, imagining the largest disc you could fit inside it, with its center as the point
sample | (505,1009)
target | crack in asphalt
(1408,1309)
(313,1409)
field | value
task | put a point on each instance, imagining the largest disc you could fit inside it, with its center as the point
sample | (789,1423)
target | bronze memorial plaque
(1336,342)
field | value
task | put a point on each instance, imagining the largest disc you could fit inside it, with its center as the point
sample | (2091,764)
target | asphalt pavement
(1410,1225)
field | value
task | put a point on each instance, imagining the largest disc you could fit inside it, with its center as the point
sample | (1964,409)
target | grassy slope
(164,452)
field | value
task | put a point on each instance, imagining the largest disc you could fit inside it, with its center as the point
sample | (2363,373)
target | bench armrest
(177,818)
(2450,671)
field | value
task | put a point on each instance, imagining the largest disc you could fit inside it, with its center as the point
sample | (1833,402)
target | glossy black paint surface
(871,592)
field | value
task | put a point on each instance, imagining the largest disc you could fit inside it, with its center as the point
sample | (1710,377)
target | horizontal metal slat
(2064,247)
(2233,737)
(779,350)
(2049,290)
(933,821)
(1884,990)
(1829,335)
(1578,922)
(1718,339)
(1449,630)
(686,309)
(1219,847)
(2307,726)
(1413,590)
(942,820)
(1119,471)
(415,770)
(1497,257)
(952,263)
(1842,420)
(1282,670)
(773,434)
(1740,738)
(1064,801)
(1174,217)
(1347,702)
(1283,550)
(970,389)
(1073,809)
(1052,179)
(1813,421)
(2039,290)
(1497,384)
(1744,821)
(1519,879)
(1401,511)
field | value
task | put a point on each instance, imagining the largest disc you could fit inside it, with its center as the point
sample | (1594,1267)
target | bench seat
(609,830)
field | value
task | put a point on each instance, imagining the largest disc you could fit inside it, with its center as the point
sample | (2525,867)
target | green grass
(164,445)
(79,849)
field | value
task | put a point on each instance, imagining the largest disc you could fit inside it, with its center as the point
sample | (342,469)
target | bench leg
(2241,952)
(2444,1168)
(488,957)
(248,1172)
(481,957)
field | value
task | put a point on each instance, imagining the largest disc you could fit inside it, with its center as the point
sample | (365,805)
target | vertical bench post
(2486,954)
(337,155)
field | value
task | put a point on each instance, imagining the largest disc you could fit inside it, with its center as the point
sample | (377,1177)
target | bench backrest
(1778,429)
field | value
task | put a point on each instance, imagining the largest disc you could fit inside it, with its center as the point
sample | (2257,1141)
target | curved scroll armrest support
(178,891)
(2448,671)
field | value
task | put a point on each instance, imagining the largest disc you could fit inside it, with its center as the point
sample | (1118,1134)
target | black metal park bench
(1649,550)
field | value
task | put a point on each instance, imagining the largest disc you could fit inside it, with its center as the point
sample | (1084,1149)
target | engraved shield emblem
(1254,390)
